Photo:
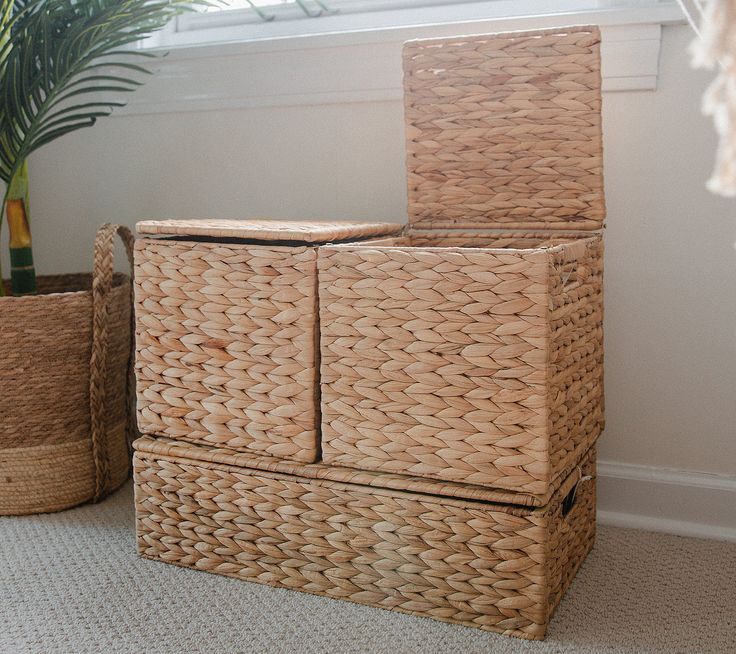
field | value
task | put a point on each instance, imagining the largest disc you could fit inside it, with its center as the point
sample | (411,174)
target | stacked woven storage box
(406,420)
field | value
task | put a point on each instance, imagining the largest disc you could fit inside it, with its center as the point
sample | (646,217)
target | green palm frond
(58,56)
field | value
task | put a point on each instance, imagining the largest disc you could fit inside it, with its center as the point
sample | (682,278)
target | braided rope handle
(104,270)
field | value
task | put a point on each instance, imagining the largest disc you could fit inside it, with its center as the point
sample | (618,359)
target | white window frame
(360,16)
(292,11)
(226,67)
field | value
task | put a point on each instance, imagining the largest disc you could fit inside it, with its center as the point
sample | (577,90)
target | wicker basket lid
(269,230)
(386,481)
(504,131)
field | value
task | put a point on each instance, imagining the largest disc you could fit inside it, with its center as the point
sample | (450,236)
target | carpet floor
(71,582)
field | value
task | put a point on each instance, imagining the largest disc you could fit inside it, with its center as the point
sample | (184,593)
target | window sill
(365,66)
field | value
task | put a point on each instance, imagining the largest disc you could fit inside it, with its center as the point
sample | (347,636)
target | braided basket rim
(119,279)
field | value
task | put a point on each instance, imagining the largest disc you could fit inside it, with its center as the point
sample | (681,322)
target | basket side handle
(104,270)
(572,263)
(568,502)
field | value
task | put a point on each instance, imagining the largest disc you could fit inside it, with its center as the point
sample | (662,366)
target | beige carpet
(71,582)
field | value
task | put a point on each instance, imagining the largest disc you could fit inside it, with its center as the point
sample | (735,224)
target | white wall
(670,278)
(670,260)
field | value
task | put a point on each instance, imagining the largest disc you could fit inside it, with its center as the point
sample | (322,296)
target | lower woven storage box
(453,552)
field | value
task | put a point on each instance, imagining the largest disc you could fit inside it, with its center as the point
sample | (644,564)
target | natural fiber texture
(491,566)
(272,230)
(169,447)
(225,345)
(505,131)
(227,336)
(479,364)
(54,477)
(108,346)
(64,415)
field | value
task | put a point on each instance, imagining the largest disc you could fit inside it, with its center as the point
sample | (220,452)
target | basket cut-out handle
(571,267)
(569,500)
(102,280)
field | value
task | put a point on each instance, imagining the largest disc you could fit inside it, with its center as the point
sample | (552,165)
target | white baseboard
(679,502)
(667,526)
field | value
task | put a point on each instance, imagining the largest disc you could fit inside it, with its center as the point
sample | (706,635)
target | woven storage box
(226,331)
(448,551)
(470,348)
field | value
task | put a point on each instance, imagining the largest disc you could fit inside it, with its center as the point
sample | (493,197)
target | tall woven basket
(65,419)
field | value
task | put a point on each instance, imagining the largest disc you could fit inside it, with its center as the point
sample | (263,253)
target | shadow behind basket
(64,381)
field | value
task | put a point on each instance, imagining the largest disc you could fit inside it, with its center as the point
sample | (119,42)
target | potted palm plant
(66,339)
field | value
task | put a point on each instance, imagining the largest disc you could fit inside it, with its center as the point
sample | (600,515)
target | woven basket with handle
(65,386)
